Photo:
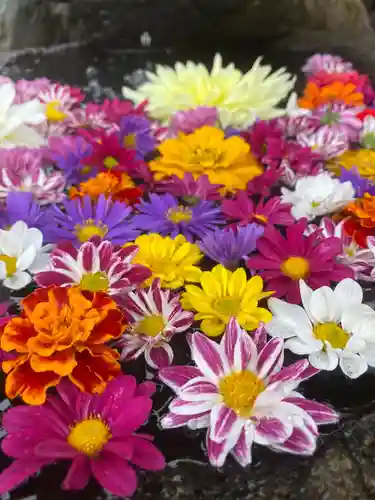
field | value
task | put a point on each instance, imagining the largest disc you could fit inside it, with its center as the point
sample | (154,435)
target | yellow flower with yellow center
(206,151)
(225,294)
(361,159)
(240,390)
(89,436)
(173,261)
(296,268)
(88,229)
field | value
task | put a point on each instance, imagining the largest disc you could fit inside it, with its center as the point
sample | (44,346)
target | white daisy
(21,255)
(333,327)
(318,195)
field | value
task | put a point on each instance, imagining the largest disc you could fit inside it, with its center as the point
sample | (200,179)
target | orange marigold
(360,222)
(337,92)
(61,332)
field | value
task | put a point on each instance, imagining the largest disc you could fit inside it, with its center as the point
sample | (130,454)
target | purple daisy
(164,215)
(69,154)
(136,133)
(21,206)
(230,246)
(80,220)
(360,184)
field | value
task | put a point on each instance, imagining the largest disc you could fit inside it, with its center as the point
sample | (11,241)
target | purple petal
(225,424)
(18,472)
(207,356)
(242,450)
(78,474)
(114,474)
(177,376)
(146,455)
(321,413)
(270,358)
(272,430)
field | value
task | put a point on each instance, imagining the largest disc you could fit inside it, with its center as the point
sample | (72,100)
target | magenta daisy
(156,316)
(96,266)
(244,210)
(241,392)
(283,261)
(189,189)
(97,433)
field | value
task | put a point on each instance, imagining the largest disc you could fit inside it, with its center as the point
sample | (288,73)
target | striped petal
(272,430)
(199,389)
(177,376)
(181,407)
(207,356)
(321,413)
(238,347)
(225,424)
(242,450)
(301,442)
(271,358)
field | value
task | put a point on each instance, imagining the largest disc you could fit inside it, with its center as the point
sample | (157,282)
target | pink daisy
(283,261)
(241,392)
(326,63)
(156,316)
(243,210)
(96,266)
(97,433)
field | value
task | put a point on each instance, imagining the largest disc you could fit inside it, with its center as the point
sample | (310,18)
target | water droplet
(146,39)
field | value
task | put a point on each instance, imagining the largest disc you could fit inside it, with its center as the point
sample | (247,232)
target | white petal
(289,320)
(353,365)
(322,305)
(17,281)
(300,346)
(348,292)
(26,258)
(324,360)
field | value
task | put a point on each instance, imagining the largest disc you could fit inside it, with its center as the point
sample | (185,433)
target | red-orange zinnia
(61,332)
(361,221)
(337,92)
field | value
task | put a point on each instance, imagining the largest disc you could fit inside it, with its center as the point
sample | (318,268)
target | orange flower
(61,332)
(337,92)
(361,219)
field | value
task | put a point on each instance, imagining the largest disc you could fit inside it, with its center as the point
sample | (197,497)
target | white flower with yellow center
(21,255)
(240,98)
(333,327)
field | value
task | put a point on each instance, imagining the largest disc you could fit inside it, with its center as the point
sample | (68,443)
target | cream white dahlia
(240,98)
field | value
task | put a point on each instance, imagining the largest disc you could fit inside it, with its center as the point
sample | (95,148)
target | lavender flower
(135,133)
(360,184)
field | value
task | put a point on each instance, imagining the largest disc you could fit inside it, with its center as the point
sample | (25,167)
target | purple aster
(339,118)
(136,133)
(192,119)
(360,184)
(69,154)
(80,220)
(164,215)
(21,206)
(230,246)
(189,189)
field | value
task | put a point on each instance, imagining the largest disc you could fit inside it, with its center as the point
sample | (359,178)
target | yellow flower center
(239,391)
(315,204)
(179,214)
(333,333)
(86,231)
(151,325)
(10,264)
(54,112)
(86,169)
(261,218)
(110,162)
(228,306)
(94,282)
(350,252)
(89,436)
(295,268)
(206,157)
(129,141)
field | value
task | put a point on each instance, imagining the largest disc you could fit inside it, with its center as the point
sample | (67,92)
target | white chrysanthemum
(21,254)
(240,98)
(318,195)
(15,120)
(333,327)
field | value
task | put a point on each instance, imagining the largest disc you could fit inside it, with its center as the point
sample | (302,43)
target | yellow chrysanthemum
(206,151)
(225,294)
(361,159)
(173,261)
(240,98)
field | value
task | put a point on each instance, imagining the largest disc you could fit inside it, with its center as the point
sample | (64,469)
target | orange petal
(16,335)
(31,386)
(92,373)
(31,301)
(110,328)
(102,301)
(42,344)
(62,362)
(10,364)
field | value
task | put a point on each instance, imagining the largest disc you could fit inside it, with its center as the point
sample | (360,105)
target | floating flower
(225,294)
(327,63)
(239,98)
(325,142)
(243,210)
(192,119)
(360,184)
(173,261)
(84,218)
(21,207)
(155,316)
(283,261)
(22,171)
(96,266)
(360,221)
(318,195)
(360,260)
(336,92)
(333,327)
(17,120)
(243,394)
(206,151)
(61,332)
(21,255)
(189,189)
(230,246)
(96,434)
(361,159)
(164,214)
(135,133)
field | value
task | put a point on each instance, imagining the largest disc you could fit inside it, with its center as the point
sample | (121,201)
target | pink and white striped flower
(339,118)
(326,63)
(326,142)
(361,260)
(96,266)
(156,316)
(243,394)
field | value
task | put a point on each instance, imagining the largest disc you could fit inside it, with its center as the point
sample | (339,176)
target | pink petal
(114,474)
(172,421)
(18,472)
(134,413)
(146,389)
(199,389)
(225,424)
(159,357)
(21,444)
(121,447)
(177,376)
(55,449)
(23,417)
(321,413)
(87,255)
(301,442)
(48,278)
(291,372)
(272,430)
(238,346)
(192,408)
(242,450)
(217,452)
(259,337)
(271,358)
(207,356)
(78,474)
(146,455)
(308,373)
(105,254)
